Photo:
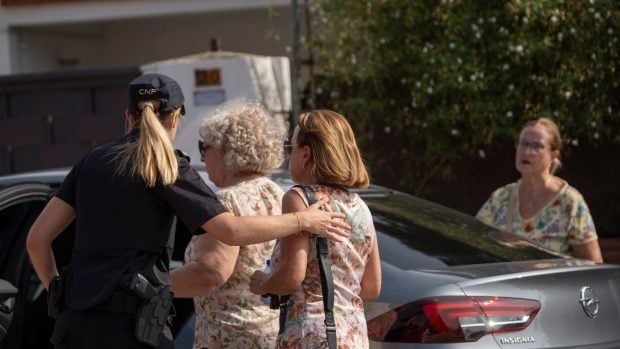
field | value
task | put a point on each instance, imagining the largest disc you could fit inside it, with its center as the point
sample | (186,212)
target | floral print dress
(563,222)
(305,326)
(232,316)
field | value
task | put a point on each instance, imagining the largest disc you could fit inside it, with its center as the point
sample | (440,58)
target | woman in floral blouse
(540,206)
(324,155)
(240,145)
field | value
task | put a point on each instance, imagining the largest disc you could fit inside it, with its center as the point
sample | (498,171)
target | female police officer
(123,196)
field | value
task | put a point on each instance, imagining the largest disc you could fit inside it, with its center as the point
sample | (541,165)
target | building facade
(51,35)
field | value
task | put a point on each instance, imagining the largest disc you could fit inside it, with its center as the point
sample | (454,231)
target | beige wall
(55,48)
(147,40)
(138,41)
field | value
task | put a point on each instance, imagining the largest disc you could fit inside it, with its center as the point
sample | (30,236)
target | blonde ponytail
(152,156)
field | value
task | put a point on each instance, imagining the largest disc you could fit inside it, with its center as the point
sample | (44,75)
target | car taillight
(452,319)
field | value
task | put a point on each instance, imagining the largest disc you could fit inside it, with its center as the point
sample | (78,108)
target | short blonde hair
(252,139)
(337,159)
(556,139)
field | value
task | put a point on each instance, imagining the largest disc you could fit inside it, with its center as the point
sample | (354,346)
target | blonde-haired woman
(540,206)
(123,197)
(240,144)
(324,156)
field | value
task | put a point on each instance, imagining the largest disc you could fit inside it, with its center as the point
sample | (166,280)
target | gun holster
(55,296)
(153,314)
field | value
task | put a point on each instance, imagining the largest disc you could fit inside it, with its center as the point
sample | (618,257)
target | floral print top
(232,316)
(563,222)
(305,326)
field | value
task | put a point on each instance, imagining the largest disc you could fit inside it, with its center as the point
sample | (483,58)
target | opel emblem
(589,301)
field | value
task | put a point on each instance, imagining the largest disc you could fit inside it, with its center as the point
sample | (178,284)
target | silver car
(449,281)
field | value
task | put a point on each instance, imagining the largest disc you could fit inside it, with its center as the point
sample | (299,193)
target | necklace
(537,200)
(532,200)
(531,203)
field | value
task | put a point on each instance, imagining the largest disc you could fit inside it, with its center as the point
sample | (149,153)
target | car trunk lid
(579,304)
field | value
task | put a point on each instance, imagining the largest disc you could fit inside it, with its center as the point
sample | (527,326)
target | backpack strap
(327,286)
(327,282)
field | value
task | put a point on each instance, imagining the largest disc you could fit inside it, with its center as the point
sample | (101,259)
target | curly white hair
(252,139)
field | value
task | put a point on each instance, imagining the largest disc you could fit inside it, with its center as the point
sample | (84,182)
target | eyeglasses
(288,147)
(535,146)
(202,147)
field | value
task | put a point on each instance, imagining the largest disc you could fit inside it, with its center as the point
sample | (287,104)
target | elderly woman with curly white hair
(241,144)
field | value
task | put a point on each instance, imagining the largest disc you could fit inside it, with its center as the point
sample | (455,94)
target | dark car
(449,281)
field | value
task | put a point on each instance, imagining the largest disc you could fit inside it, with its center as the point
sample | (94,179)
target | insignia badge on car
(589,301)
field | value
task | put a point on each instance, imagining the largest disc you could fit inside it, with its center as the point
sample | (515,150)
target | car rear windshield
(416,232)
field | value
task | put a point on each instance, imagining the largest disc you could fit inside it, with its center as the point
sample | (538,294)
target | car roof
(50,176)
(55,176)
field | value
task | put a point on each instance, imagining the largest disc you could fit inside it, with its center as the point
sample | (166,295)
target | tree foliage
(426,83)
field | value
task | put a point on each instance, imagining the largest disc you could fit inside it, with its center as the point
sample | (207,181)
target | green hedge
(428,83)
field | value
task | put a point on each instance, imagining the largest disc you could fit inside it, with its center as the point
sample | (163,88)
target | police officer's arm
(211,267)
(54,218)
(247,230)
(196,205)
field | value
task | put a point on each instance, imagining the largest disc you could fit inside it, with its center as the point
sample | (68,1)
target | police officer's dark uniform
(122,228)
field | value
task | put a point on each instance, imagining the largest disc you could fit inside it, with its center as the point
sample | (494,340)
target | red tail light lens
(452,319)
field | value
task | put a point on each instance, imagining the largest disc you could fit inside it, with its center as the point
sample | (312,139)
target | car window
(415,233)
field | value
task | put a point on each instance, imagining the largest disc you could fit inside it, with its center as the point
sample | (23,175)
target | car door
(20,290)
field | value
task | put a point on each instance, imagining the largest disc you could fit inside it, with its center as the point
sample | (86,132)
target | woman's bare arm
(213,266)
(291,268)
(590,250)
(371,281)
(52,221)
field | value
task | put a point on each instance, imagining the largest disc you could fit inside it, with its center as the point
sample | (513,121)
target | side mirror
(7,304)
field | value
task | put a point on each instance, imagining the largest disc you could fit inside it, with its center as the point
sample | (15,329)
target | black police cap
(159,87)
